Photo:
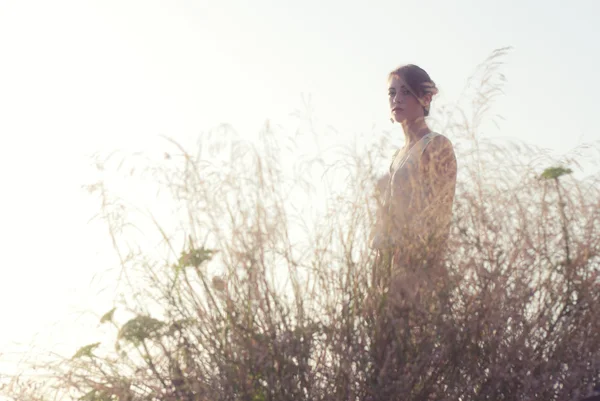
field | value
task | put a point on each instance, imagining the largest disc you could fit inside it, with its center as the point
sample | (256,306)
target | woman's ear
(426,98)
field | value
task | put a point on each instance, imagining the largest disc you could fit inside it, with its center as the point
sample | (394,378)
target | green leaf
(139,329)
(108,316)
(555,172)
(86,351)
(195,257)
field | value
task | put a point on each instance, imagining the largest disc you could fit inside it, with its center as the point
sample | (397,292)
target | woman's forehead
(396,81)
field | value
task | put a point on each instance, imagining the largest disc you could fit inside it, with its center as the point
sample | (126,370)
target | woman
(412,223)
(416,203)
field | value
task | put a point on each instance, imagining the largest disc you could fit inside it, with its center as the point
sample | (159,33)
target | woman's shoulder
(436,137)
(438,142)
(438,148)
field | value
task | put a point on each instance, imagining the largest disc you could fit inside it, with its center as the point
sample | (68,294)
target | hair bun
(429,87)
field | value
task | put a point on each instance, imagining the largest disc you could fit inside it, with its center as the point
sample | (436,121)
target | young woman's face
(403,105)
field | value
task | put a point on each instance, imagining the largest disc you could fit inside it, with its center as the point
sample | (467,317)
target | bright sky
(83,76)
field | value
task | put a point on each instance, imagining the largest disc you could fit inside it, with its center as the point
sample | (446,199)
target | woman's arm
(438,169)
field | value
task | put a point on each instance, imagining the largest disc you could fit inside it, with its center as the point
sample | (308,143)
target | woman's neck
(414,131)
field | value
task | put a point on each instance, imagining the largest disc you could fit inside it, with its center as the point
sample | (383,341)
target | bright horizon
(80,77)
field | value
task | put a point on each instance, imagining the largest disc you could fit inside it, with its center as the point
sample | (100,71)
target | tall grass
(260,287)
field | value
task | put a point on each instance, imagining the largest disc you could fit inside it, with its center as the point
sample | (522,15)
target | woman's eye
(405,92)
(391,93)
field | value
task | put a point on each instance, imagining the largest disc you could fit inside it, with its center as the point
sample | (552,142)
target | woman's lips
(396,109)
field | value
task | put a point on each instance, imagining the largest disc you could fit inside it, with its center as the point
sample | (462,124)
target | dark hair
(418,81)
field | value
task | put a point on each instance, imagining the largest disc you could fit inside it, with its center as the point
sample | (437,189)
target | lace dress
(404,194)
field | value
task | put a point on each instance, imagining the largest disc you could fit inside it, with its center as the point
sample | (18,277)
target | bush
(264,295)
